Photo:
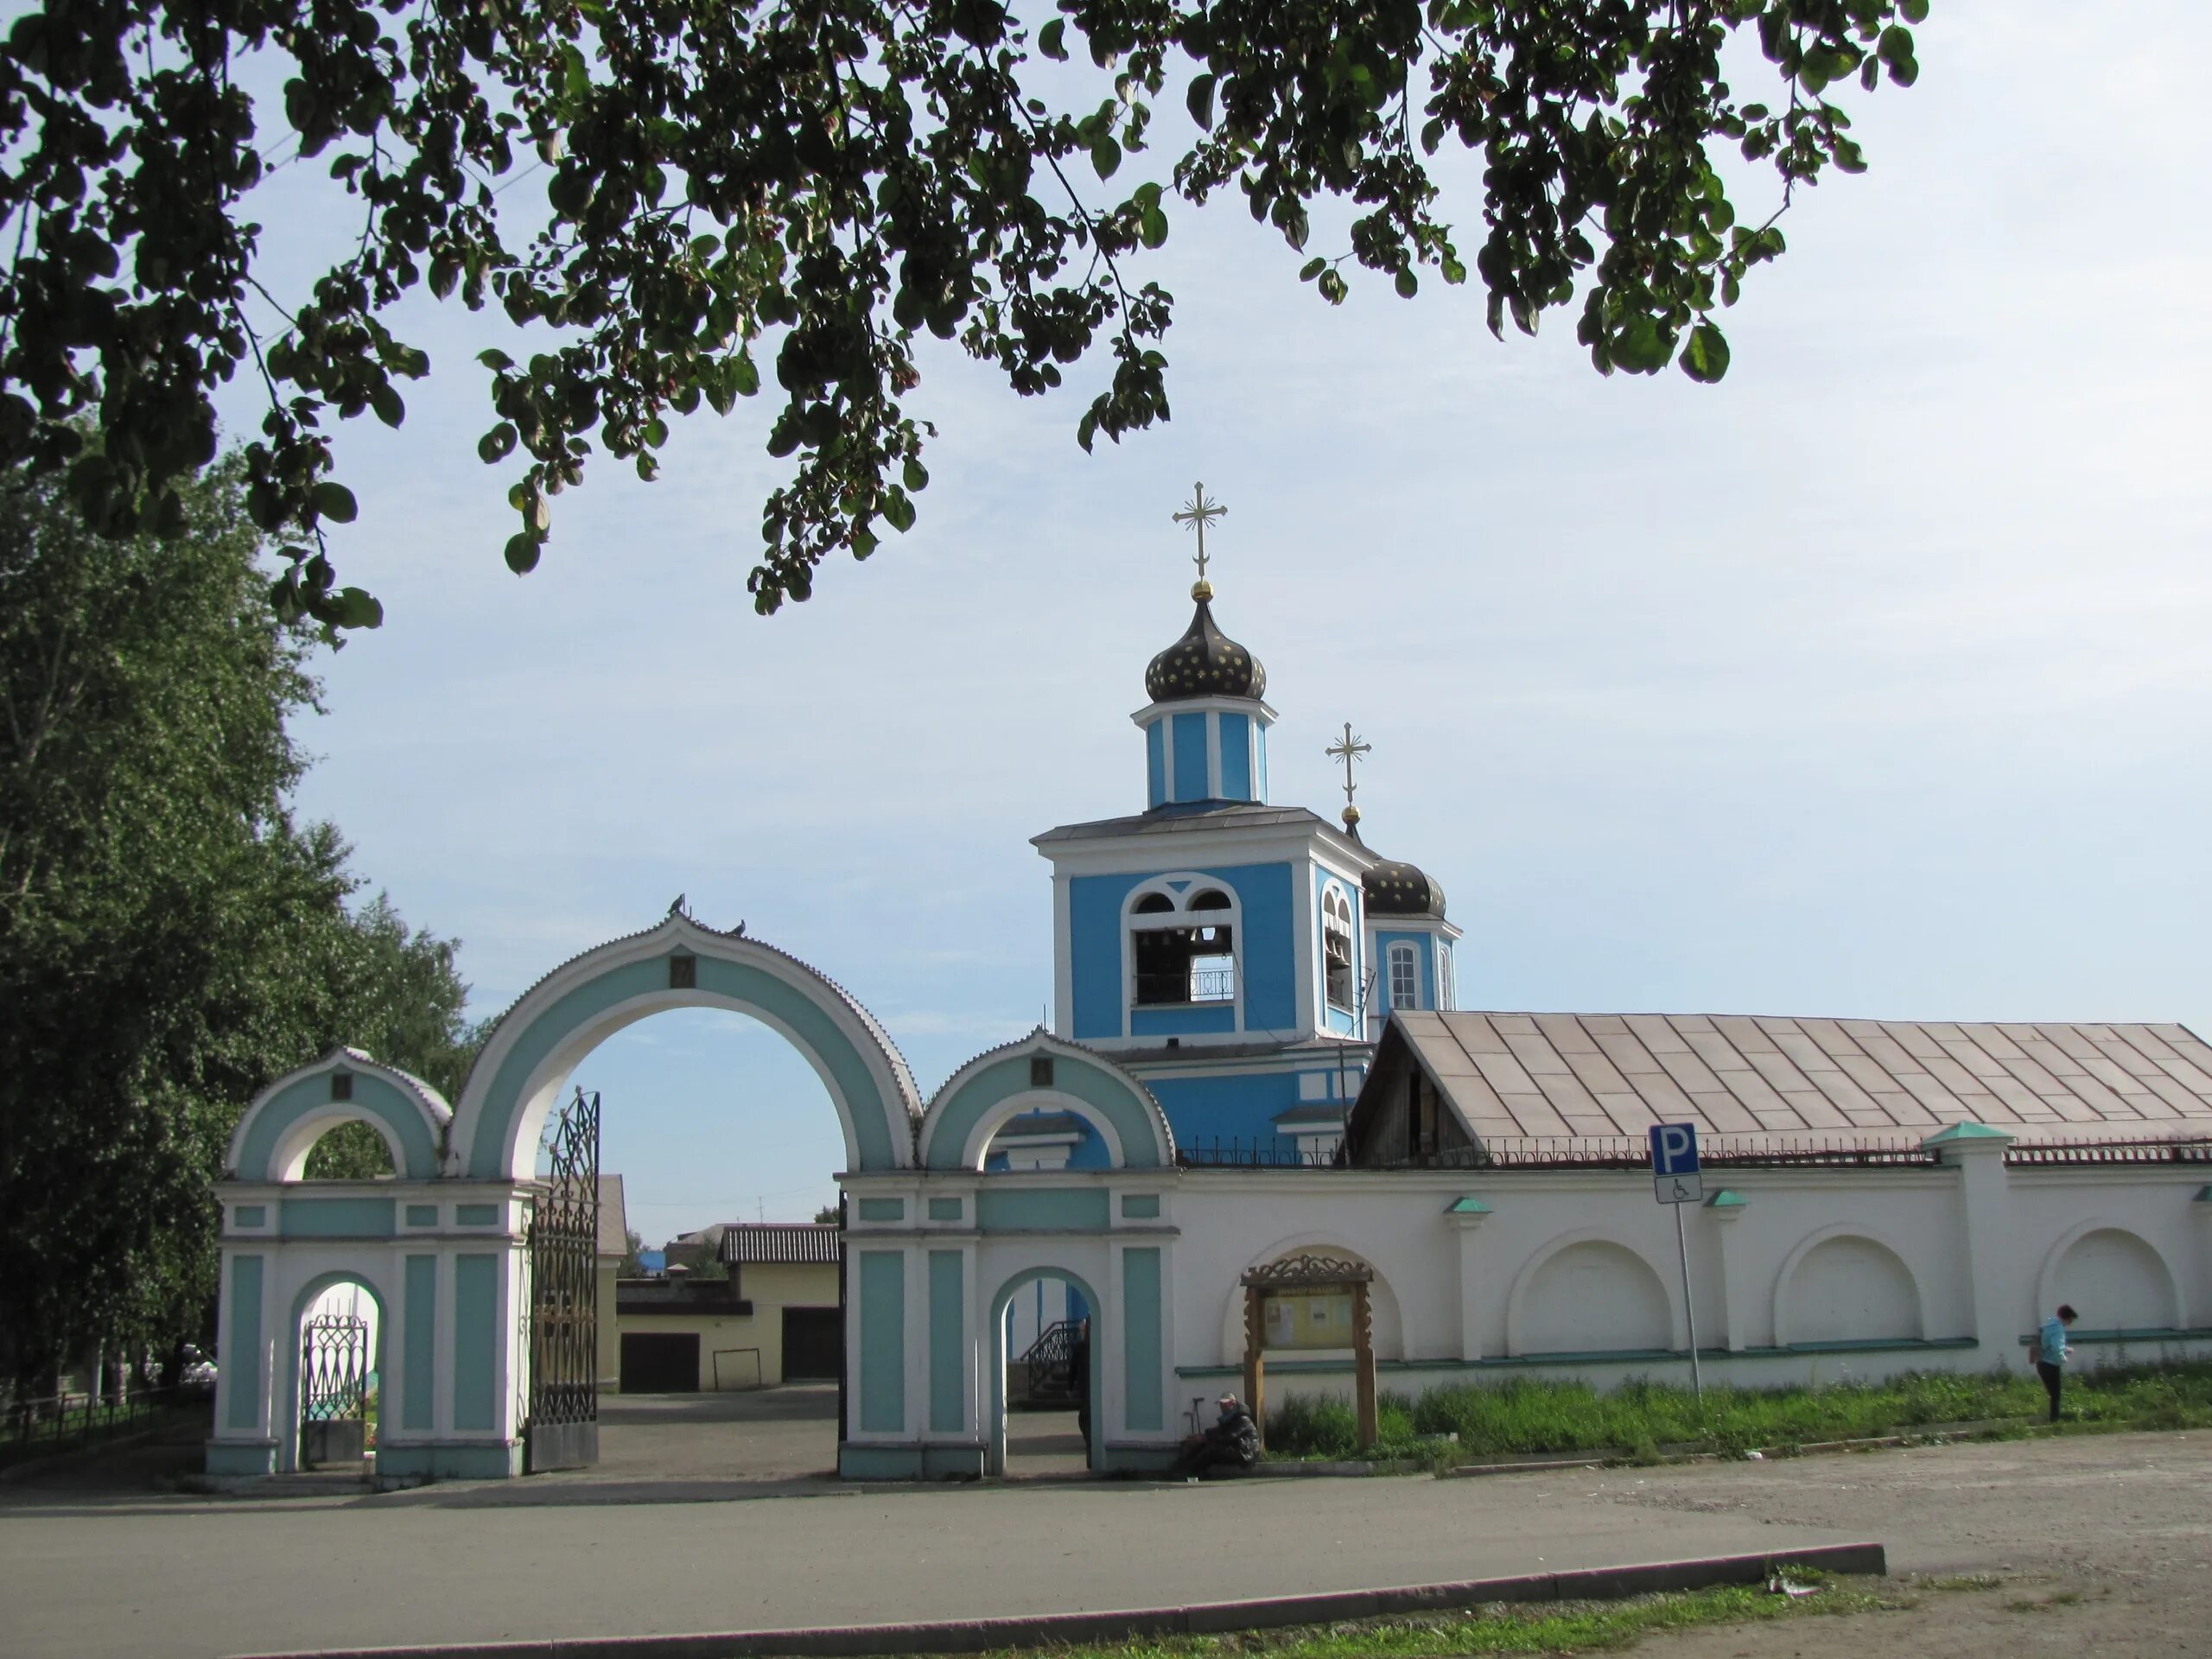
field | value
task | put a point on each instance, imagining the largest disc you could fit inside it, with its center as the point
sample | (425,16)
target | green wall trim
(450,1461)
(863,1462)
(375,1100)
(236,1458)
(1140,1206)
(883,1341)
(477,1215)
(2153,1333)
(1141,1334)
(419,1315)
(1135,1119)
(753,989)
(336,1217)
(243,1357)
(476,1341)
(948,1346)
(1616,1357)
(883,1209)
(250,1214)
(1043,1209)
(945,1209)
(421,1215)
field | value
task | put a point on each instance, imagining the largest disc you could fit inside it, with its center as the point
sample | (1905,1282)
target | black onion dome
(1395,889)
(1204,663)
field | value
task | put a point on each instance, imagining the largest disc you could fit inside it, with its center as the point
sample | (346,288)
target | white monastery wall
(1815,1274)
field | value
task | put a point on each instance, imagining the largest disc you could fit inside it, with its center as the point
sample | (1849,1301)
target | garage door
(660,1362)
(814,1345)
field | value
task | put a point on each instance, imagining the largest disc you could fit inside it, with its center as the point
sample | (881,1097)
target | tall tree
(169,940)
(729,192)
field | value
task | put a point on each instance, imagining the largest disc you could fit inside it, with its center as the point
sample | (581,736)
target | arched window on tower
(1336,946)
(1183,955)
(1405,975)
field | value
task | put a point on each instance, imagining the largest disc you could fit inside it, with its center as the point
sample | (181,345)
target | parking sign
(1675,1176)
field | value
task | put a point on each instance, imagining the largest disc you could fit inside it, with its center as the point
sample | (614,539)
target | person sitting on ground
(2051,1354)
(1232,1445)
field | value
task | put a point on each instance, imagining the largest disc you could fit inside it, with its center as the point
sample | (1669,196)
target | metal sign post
(1676,1180)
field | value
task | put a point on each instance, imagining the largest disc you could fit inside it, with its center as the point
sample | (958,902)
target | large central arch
(538,1043)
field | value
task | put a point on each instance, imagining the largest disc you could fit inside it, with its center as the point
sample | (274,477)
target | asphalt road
(93,1573)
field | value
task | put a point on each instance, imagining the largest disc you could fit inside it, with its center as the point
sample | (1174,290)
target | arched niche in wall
(1847,1287)
(2115,1279)
(1590,1296)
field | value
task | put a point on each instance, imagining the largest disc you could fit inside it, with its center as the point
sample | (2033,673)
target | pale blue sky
(1874,680)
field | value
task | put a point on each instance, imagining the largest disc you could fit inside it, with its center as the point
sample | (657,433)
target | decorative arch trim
(1516,1300)
(538,1042)
(1812,1241)
(2046,1280)
(995,1086)
(274,1137)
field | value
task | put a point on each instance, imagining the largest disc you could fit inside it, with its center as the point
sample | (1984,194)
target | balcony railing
(1199,985)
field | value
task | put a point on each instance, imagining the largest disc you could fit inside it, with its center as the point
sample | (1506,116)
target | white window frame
(1404,953)
(1181,915)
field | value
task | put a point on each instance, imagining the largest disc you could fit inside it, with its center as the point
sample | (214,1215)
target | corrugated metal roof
(1610,1074)
(779,1242)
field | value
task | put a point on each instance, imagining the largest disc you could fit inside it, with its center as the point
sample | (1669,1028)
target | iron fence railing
(61,1422)
(2109,1152)
(1175,989)
(1266,1153)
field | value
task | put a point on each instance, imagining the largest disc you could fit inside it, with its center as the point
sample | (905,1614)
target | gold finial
(1197,512)
(1348,749)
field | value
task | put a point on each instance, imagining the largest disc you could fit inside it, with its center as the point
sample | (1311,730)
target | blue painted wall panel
(244,1351)
(1190,757)
(947,1347)
(1155,763)
(1230,1106)
(336,1217)
(1236,757)
(883,1341)
(420,1321)
(1140,1337)
(1043,1209)
(1095,952)
(476,1336)
(1182,1022)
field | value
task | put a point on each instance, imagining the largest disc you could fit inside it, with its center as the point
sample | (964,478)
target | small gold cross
(1348,749)
(1198,512)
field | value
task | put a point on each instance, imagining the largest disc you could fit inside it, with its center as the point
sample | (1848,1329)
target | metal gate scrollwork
(333,1389)
(561,1431)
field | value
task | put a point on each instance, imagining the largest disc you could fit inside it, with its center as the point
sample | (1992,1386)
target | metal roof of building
(1567,1074)
(780,1243)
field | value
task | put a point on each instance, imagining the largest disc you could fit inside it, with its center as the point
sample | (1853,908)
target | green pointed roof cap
(1727,1198)
(1467,1207)
(1958,1132)
(2205,1195)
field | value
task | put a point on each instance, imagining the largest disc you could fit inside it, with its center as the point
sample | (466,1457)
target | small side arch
(1004,1083)
(286,1399)
(1641,1286)
(278,1130)
(1857,1288)
(2120,1279)
(996,1357)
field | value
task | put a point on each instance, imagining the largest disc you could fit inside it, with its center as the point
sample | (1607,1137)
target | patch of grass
(1586,1626)
(1526,1415)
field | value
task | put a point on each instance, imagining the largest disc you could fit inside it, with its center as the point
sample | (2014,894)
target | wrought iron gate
(561,1428)
(333,1389)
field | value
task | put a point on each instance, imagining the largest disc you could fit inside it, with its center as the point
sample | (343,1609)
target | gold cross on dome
(1348,749)
(1198,512)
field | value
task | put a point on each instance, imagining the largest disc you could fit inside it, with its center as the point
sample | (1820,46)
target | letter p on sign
(1675,1178)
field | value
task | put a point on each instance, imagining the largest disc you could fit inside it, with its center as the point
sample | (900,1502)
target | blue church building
(1238,957)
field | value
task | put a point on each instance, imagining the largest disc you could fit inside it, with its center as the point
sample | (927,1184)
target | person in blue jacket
(2052,1353)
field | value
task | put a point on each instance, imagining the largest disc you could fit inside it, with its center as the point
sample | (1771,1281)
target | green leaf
(1913,11)
(335,502)
(898,510)
(916,476)
(1705,355)
(1105,155)
(356,608)
(495,360)
(1153,227)
(1052,40)
(498,444)
(745,374)
(1199,101)
(522,552)
(1407,284)
(1311,269)
(385,398)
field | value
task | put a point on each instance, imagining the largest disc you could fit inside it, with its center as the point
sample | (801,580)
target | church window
(1183,955)
(1405,977)
(1444,994)
(1336,945)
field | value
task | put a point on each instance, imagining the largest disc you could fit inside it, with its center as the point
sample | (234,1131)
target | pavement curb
(1043,1630)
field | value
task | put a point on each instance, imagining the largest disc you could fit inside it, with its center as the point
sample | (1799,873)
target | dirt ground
(2099,1544)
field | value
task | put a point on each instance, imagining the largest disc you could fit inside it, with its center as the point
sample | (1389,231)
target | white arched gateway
(443,1244)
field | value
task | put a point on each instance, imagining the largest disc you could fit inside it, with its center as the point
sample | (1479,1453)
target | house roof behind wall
(1530,1075)
(779,1242)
